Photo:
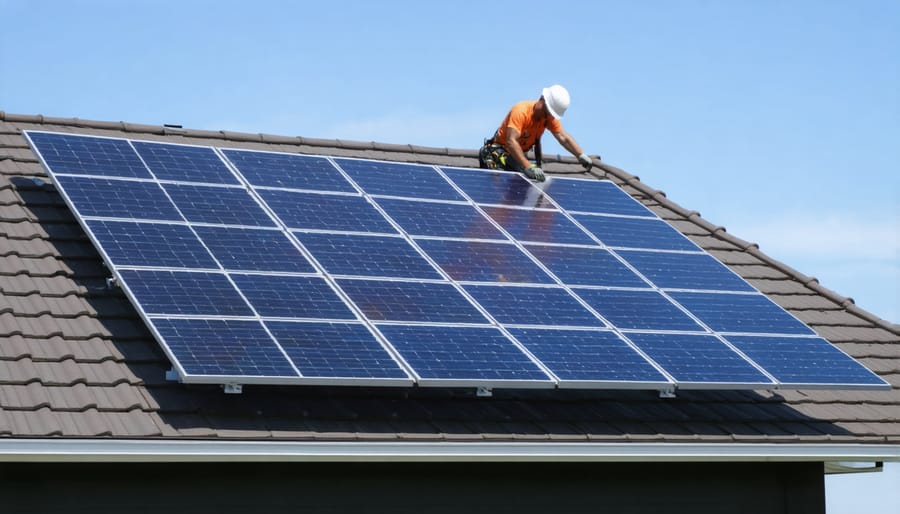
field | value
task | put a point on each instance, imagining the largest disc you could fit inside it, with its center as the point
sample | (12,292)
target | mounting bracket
(172,375)
(233,388)
(111,282)
(484,392)
(668,392)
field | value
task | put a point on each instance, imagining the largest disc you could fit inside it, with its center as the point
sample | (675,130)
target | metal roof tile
(12,167)
(58,348)
(853,334)
(779,286)
(39,422)
(829,317)
(810,301)
(29,396)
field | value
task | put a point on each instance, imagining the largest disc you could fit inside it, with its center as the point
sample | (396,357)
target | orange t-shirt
(521,117)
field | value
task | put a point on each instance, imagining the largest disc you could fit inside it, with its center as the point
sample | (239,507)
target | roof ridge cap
(228,135)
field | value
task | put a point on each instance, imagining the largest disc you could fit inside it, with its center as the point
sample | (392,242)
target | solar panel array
(273,268)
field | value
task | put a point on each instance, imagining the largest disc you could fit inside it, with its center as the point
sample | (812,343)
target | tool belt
(493,156)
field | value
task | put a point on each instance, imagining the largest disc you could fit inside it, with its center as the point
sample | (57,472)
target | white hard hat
(557,99)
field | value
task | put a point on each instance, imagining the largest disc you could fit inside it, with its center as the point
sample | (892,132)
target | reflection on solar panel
(265,268)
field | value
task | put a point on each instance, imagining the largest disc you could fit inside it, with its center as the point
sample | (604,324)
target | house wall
(670,488)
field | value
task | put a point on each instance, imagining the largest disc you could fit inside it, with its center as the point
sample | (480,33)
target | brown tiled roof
(77,362)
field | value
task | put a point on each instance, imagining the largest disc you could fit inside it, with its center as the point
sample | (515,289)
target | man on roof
(522,129)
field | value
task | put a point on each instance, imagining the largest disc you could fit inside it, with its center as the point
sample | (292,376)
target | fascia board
(117,450)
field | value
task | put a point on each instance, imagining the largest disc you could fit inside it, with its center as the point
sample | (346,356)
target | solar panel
(585,266)
(539,226)
(635,233)
(804,361)
(167,292)
(313,211)
(255,267)
(252,249)
(218,205)
(396,179)
(209,348)
(136,243)
(112,198)
(595,196)
(184,163)
(440,219)
(367,255)
(667,270)
(288,171)
(286,296)
(494,187)
(85,155)
(698,359)
(428,302)
(582,358)
(638,309)
(456,356)
(335,350)
(523,305)
(481,261)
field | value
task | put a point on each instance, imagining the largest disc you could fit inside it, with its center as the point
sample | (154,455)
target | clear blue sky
(778,120)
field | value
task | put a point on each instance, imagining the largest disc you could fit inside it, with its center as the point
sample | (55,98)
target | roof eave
(118,450)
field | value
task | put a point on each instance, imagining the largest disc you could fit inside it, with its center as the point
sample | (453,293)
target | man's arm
(513,147)
(568,142)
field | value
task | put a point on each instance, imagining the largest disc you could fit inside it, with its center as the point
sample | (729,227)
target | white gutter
(118,450)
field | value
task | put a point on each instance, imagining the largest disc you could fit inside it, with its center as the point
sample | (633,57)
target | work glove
(585,161)
(533,172)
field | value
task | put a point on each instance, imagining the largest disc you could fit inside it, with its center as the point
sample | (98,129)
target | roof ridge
(634,181)
(227,135)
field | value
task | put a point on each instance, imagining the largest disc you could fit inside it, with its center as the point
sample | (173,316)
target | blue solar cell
(461,353)
(685,271)
(585,266)
(698,359)
(440,219)
(85,155)
(326,212)
(500,188)
(647,310)
(538,226)
(740,313)
(223,205)
(587,355)
(334,350)
(281,296)
(185,163)
(636,233)
(288,171)
(219,347)
(247,249)
(118,198)
(594,196)
(181,292)
(481,261)
(804,361)
(151,244)
(411,301)
(533,306)
(395,179)
(372,256)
